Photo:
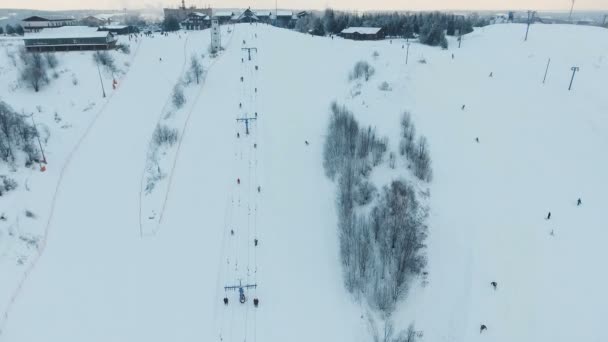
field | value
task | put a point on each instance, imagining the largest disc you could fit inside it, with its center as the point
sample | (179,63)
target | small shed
(69,38)
(363,33)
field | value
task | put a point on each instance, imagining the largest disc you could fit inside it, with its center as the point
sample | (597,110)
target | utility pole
(571,8)
(249,51)
(546,70)
(574,70)
(530,16)
(246,121)
(407,53)
(38,137)
(101,81)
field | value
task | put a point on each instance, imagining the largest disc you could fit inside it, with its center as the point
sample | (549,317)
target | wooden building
(69,38)
(247,17)
(224,17)
(363,33)
(264,16)
(284,19)
(196,21)
(37,23)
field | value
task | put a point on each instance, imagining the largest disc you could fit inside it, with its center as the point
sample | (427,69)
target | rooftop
(362,30)
(67,32)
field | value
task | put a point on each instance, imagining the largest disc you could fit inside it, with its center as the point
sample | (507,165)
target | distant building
(94,21)
(37,23)
(284,18)
(69,38)
(264,16)
(224,17)
(247,17)
(363,33)
(119,29)
(197,21)
(181,13)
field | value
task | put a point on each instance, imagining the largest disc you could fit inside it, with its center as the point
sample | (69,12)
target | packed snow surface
(541,147)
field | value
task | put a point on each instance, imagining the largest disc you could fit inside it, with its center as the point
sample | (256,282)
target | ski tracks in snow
(47,228)
(236,321)
(183,131)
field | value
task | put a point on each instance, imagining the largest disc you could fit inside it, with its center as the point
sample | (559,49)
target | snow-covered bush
(34,70)
(7,184)
(163,135)
(16,136)
(384,86)
(362,69)
(196,69)
(124,48)
(415,151)
(178,98)
(51,60)
(103,58)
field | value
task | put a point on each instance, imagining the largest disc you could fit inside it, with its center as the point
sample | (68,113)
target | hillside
(540,149)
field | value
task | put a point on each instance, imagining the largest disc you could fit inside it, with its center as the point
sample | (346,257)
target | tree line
(429,27)
(10,30)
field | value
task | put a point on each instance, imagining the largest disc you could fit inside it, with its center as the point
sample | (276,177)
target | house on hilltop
(363,33)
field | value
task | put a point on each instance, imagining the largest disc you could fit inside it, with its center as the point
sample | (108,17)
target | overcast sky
(315,4)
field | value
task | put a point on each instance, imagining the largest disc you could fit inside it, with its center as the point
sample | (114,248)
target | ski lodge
(69,38)
(37,23)
(363,33)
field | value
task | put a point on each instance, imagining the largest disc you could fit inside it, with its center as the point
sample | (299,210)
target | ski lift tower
(216,35)
(241,288)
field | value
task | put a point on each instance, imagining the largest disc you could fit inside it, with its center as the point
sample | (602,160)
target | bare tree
(196,69)
(34,71)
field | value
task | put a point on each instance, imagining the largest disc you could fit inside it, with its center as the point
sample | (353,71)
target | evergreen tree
(10,29)
(19,30)
(171,24)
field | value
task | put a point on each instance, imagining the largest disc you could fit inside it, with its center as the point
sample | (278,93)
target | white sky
(315,4)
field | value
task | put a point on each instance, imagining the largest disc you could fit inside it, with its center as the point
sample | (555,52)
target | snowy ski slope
(540,148)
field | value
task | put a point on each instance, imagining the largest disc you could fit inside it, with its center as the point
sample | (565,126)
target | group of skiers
(494,284)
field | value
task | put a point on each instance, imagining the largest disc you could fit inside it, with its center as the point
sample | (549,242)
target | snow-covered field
(540,148)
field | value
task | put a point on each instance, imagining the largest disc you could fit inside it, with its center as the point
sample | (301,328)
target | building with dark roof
(37,23)
(363,33)
(69,38)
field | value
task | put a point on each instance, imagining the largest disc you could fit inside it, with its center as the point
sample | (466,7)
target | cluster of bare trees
(381,233)
(363,70)
(415,150)
(163,137)
(6,185)
(196,69)
(16,136)
(105,60)
(35,67)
